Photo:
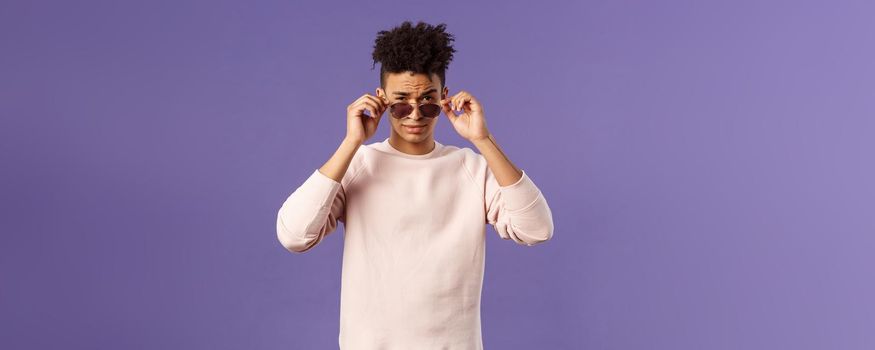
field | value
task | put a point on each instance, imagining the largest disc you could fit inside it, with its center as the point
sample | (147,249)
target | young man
(414,210)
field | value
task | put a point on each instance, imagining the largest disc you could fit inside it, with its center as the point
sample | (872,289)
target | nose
(415,114)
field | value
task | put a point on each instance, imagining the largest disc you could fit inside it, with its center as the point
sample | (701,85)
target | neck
(418,148)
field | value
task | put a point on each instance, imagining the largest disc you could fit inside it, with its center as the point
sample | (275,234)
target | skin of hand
(359,126)
(471,122)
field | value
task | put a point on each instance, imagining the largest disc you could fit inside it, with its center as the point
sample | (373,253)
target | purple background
(709,166)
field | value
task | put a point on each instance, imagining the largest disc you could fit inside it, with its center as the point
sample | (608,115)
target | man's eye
(428,97)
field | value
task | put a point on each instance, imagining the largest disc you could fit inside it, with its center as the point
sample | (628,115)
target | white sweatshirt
(414,231)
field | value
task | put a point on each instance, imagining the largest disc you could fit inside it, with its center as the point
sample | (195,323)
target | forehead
(411,83)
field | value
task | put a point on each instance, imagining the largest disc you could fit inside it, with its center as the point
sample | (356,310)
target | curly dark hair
(423,48)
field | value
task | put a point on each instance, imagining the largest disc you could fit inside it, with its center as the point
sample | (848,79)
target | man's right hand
(359,126)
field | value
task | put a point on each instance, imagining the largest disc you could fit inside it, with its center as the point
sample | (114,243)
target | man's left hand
(470,123)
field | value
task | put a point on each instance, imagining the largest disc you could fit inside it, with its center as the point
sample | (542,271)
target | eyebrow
(402,93)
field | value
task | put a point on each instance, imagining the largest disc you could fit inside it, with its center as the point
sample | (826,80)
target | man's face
(413,88)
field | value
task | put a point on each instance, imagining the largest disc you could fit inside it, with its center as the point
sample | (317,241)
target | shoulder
(358,163)
(472,160)
(473,163)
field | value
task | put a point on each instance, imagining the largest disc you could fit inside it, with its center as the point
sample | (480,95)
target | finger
(379,115)
(362,98)
(475,105)
(377,108)
(372,103)
(373,112)
(379,101)
(458,96)
(471,102)
(368,105)
(445,106)
(466,103)
(355,103)
(460,103)
(462,97)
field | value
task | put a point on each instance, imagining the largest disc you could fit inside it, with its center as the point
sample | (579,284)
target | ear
(380,93)
(445,93)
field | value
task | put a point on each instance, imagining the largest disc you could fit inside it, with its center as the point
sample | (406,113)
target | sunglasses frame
(391,108)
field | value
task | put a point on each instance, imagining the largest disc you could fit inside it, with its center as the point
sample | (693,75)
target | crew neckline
(391,149)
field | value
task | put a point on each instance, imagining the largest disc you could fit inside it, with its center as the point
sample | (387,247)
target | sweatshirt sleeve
(518,211)
(310,213)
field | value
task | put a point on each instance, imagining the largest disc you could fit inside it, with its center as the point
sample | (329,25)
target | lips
(414,129)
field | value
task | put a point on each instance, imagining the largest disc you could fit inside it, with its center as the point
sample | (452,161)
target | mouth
(414,129)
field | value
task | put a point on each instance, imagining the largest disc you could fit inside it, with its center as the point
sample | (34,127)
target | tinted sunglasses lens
(430,110)
(400,110)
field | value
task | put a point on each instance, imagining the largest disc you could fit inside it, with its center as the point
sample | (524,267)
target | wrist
(482,140)
(352,141)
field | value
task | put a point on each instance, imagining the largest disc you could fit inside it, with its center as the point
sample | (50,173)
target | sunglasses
(426,110)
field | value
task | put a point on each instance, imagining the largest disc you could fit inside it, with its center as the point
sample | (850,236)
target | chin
(414,138)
